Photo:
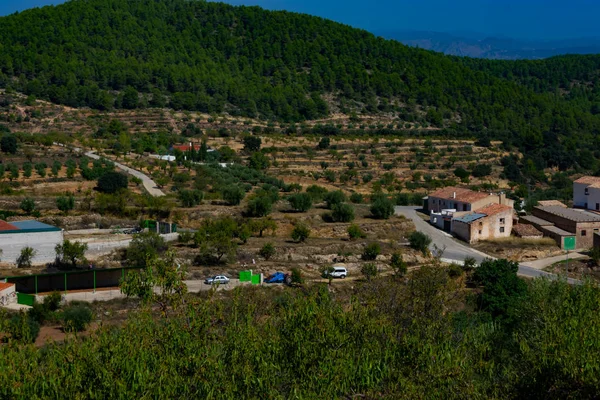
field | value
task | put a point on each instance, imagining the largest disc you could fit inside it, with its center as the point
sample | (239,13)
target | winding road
(150,186)
(457,251)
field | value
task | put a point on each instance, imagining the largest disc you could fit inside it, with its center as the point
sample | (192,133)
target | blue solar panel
(469,218)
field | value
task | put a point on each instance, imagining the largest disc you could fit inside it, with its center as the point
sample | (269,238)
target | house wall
(579,197)
(560,222)
(461,230)
(500,225)
(593,199)
(559,239)
(43,242)
(8,296)
(436,205)
(584,234)
(596,240)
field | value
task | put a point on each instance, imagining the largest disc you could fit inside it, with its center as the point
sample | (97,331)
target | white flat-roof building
(43,238)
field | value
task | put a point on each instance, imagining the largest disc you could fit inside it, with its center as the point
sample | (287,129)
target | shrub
(469,264)
(65,203)
(342,212)
(301,202)
(27,205)
(382,208)
(76,318)
(259,206)
(185,237)
(190,198)
(252,143)
(297,276)
(317,193)
(52,301)
(26,256)
(267,251)
(259,161)
(398,265)
(8,144)
(324,143)
(23,329)
(233,194)
(371,252)
(356,198)
(481,170)
(143,247)
(335,197)
(454,270)
(369,270)
(355,232)
(420,241)
(71,253)
(111,182)
(300,233)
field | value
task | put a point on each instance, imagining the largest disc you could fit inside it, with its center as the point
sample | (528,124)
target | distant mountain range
(499,48)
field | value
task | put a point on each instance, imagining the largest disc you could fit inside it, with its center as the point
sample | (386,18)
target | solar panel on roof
(469,218)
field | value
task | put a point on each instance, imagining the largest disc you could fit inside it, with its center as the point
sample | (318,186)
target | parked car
(220,279)
(338,272)
(132,231)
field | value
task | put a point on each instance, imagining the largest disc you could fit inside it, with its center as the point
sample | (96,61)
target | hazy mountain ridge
(498,48)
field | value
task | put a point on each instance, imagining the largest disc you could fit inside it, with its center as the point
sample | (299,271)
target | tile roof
(525,230)
(588,180)
(494,209)
(570,213)
(462,194)
(536,220)
(546,203)
(5,226)
(186,146)
(4,286)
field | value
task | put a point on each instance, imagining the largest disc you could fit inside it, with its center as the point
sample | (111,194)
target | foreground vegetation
(426,337)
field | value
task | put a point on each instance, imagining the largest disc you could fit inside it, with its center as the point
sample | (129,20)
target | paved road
(455,250)
(150,186)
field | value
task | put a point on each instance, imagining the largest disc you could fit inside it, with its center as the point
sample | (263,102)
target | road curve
(150,186)
(457,251)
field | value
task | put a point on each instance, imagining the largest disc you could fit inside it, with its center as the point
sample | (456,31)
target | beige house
(461,200)
(491,222)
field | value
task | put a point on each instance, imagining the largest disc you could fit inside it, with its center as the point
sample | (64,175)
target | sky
(522,19)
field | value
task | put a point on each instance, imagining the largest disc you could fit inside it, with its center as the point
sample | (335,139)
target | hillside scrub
(395,340)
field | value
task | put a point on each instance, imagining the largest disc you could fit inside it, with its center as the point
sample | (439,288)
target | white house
(586,193)
(41,237)
(8,293)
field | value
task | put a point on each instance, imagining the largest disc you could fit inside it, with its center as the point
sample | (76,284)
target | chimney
(502,198)
(453,195)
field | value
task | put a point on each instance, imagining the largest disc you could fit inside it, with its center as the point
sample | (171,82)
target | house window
(583,233)
(455,206)
(480,224)
(501,229)
(587,191)
(597,206)
(480,232)
(464,207)
(502,220)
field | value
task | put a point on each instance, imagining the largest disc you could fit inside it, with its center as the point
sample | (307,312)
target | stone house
(491,222)
(461,200)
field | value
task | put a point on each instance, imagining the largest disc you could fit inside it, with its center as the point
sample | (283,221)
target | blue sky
(534,19)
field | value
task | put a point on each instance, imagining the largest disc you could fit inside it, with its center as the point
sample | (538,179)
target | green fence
(245,276)
(25,299)
(72,280)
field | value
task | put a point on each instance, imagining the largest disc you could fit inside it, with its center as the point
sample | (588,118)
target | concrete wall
(593,199)
(43,242)
(8,296)
(584,234)
(462,230)
(579,197)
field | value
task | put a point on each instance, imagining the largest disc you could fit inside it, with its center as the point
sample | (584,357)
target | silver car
(220,279)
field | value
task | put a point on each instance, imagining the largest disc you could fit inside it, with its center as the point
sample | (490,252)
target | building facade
(41,237)
(491,222)
(8,293)
(586,193)
(462,200)
(568,222)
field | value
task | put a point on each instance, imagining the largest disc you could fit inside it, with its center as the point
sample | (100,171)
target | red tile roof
(5,226)
(4,286)
(494,209)
(588,180)
(186,147)
(459,194)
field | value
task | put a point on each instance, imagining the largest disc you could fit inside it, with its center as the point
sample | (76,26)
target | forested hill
(277,65)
